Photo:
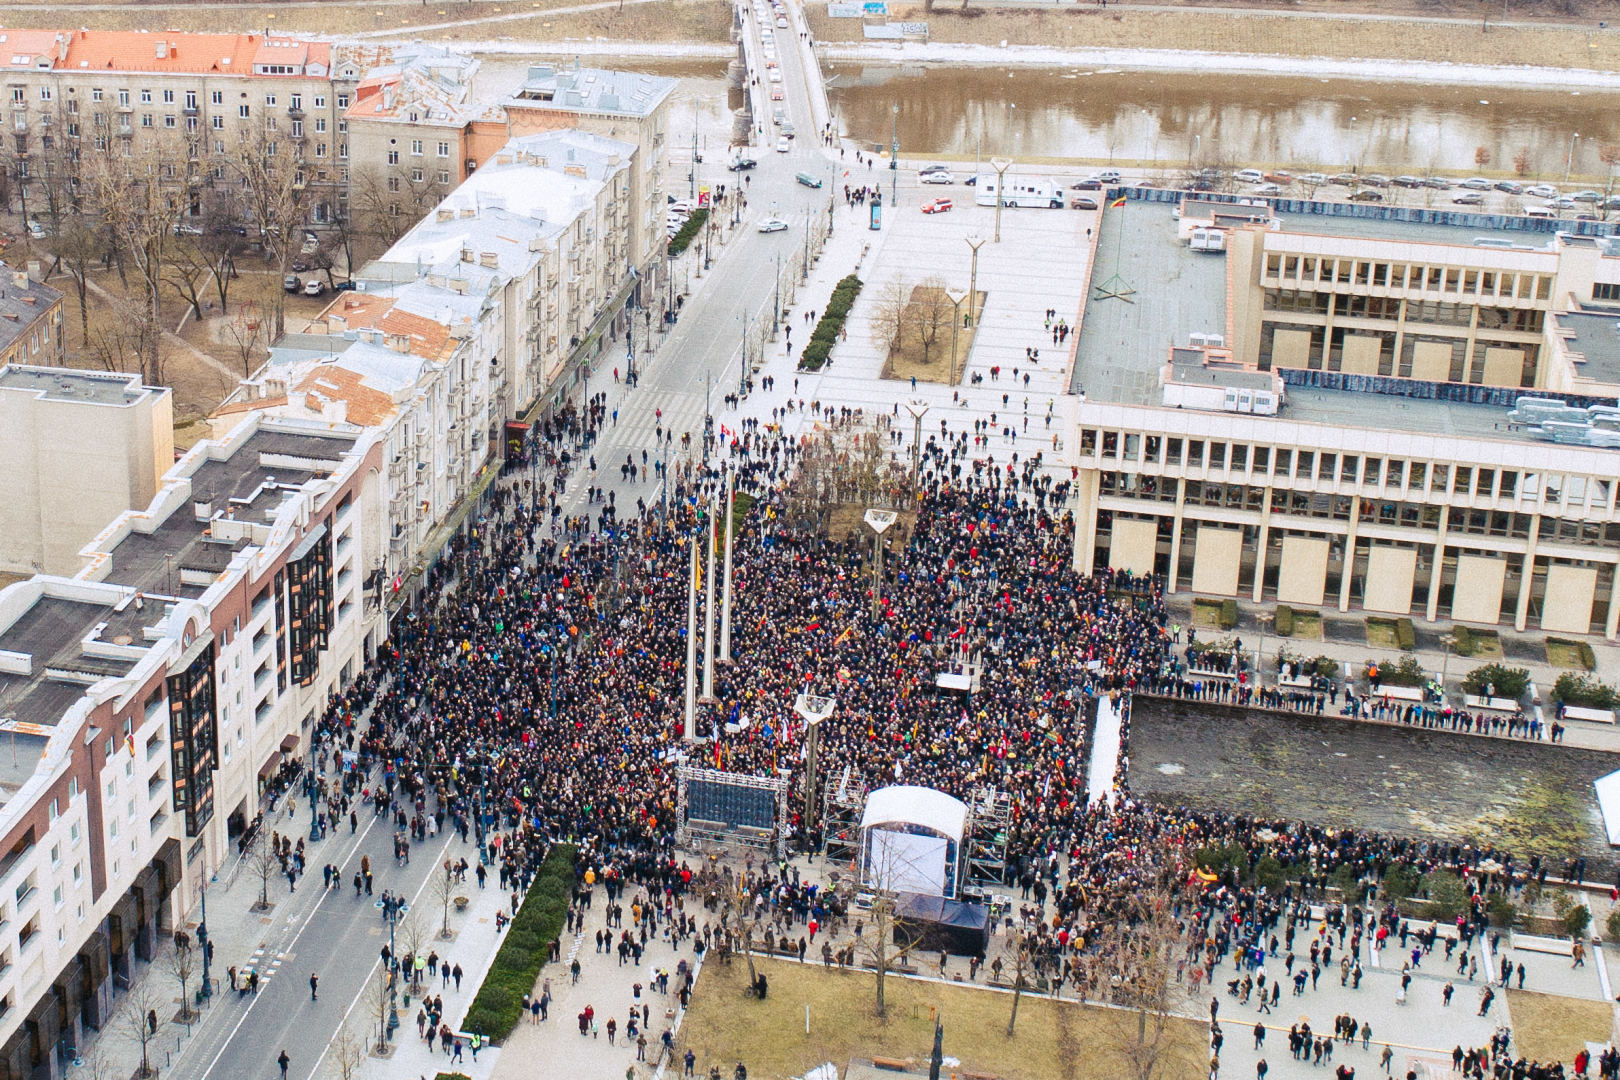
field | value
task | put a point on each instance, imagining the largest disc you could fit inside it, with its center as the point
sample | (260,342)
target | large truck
(1020,191)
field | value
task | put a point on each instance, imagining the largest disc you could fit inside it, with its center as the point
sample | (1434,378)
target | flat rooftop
(179,558)
(1597,338)
(1179,292)
(69,384)
(598,90)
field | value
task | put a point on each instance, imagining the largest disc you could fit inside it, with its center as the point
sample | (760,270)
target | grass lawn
(1484,645)
(1550,1028)
(1565,654)
(1307,626)
(1053,1040)
(1381,634)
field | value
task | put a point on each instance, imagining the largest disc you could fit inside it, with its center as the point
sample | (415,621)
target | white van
(1540,212)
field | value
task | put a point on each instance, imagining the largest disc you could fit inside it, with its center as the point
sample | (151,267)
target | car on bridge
(938,206)
(773,225)
(783,145)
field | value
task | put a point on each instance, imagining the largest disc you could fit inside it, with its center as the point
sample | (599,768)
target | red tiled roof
(24,49)
(183,53)
(333,382)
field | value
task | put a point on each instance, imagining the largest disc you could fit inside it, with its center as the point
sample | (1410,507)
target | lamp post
(689,713)
(1569,162)
(918,408)
(202,943)
(1448,642)
(975,243)
(725,588)
(814,709)
(956,299)
(879,522)
(1001,165)
(1266,618)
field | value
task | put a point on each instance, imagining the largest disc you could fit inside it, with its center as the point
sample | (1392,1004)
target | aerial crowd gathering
(535,695)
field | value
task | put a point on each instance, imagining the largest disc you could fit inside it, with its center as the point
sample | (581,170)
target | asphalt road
(332,934)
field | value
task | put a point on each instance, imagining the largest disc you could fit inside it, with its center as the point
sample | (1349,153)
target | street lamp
(918,408)
(974,242)
(1448,642)
(956,299)
(814,709)
(1001,165)
(1569,162)
(1266,618)
(879,522)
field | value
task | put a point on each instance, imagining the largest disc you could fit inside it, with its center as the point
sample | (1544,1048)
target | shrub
(1447,895)
(1613,924)
(1268,873)
(1576,921)
(1501,680)
(1406,672)
(1345,880)
(1584,692)
(498,1005)
(1325,666)
(1399,883)
(1502,911)
(1229,614)
(684,235)
(1285,620)
(1405,636)
(1217,860)
(830,325)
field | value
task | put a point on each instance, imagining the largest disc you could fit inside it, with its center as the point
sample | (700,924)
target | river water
(1134,116)
(1100,116)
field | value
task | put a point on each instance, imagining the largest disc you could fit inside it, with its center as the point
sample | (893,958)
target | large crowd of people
(536,695)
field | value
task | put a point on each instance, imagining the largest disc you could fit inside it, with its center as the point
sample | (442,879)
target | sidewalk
(1343,639)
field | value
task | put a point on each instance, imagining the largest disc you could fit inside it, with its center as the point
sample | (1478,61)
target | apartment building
(30,318)
(415,131)
(192,97)
(150,696)
(80,448)
(487,309)
(1296,442)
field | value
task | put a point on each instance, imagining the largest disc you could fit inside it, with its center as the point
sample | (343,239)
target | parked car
(1109,176)
(941,177)
(1407,181)
(1563,202)
(1083,202)
(314,287)
(1468,198)
(1588,196)
(1439,183)
(1512,187)
(1086,183)
(1314,178)
(1366,195)
(1476,183)
(970,181)
(1268,189)
(292,283)
(1541,191)
(938,206)
(1375,180)
(1249,176)
(773,225)
(932,167)
(1344,179)
(36,230)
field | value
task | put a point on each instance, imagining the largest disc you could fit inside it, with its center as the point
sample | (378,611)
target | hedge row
(830,325)
(683,236)
(499,1004)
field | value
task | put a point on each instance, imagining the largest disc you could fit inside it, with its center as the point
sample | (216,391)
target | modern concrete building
(1401,472)
(80,448)
(151,696)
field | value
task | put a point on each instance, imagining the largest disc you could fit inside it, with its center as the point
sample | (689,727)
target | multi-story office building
(80,448)
(189,97)
(150,696)
(1325,415)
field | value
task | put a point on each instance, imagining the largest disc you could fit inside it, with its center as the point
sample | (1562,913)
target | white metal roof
(931,809)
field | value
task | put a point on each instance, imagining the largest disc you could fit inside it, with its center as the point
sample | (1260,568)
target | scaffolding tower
(989,821)
(844,802)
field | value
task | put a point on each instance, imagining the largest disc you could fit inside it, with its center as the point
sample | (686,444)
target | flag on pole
(1117,203)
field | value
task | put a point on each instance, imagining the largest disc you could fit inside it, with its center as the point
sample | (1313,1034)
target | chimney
(489,259)
(446,214)
(400,343)
(35,271)
(161,50)
(19,278)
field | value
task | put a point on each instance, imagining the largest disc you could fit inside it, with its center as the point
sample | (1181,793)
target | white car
(939,177)
(781,23)
(314,287)
(1541,191)
(773,225)
(776,74)
(783,145)
(1249,176)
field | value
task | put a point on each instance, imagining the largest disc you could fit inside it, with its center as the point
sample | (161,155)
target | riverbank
(1234,43)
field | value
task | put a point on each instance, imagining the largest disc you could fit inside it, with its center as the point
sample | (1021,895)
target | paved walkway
(1104,752)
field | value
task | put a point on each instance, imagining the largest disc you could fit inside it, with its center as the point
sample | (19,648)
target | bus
(1021,191)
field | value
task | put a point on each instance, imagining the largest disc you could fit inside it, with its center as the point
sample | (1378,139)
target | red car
(938,206)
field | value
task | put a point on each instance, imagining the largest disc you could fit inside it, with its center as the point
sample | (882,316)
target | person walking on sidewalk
(283,1061)
(314,981)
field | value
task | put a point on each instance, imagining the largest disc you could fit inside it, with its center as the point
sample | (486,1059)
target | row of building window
(1451,279)
(1393,309)
(1440,479)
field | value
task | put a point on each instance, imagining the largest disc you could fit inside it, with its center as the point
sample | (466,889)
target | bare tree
(187,270)
(128,341)
(348,1053)
(380,1000)
(1482,157)
(264,863)
(180,963)
(1022,953)
(739,919)
(891,315)
(931,313)
(131,195)
(412,936)
(274,201)
(77,243)
(384,206)
(878,945)
(140,1023)
(1521,163)
(444,889)
(1609,154)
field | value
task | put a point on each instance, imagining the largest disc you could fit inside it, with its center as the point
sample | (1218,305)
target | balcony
(295,112)
(189,110)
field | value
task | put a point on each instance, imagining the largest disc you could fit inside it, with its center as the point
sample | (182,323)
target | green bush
(1229,614)
(498,1005)
(1400,882)
(1344,879)
(1406,672)
(1584,692)
(1325,666)
(684,235)
(1285,620)
(1613,924)
(1502,911)
(1447,895)
(1268,874)
(1576,921)
(830,325)
(1503,681)
(1217,860)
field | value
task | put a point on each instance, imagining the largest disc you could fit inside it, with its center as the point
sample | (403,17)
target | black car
(743,163)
